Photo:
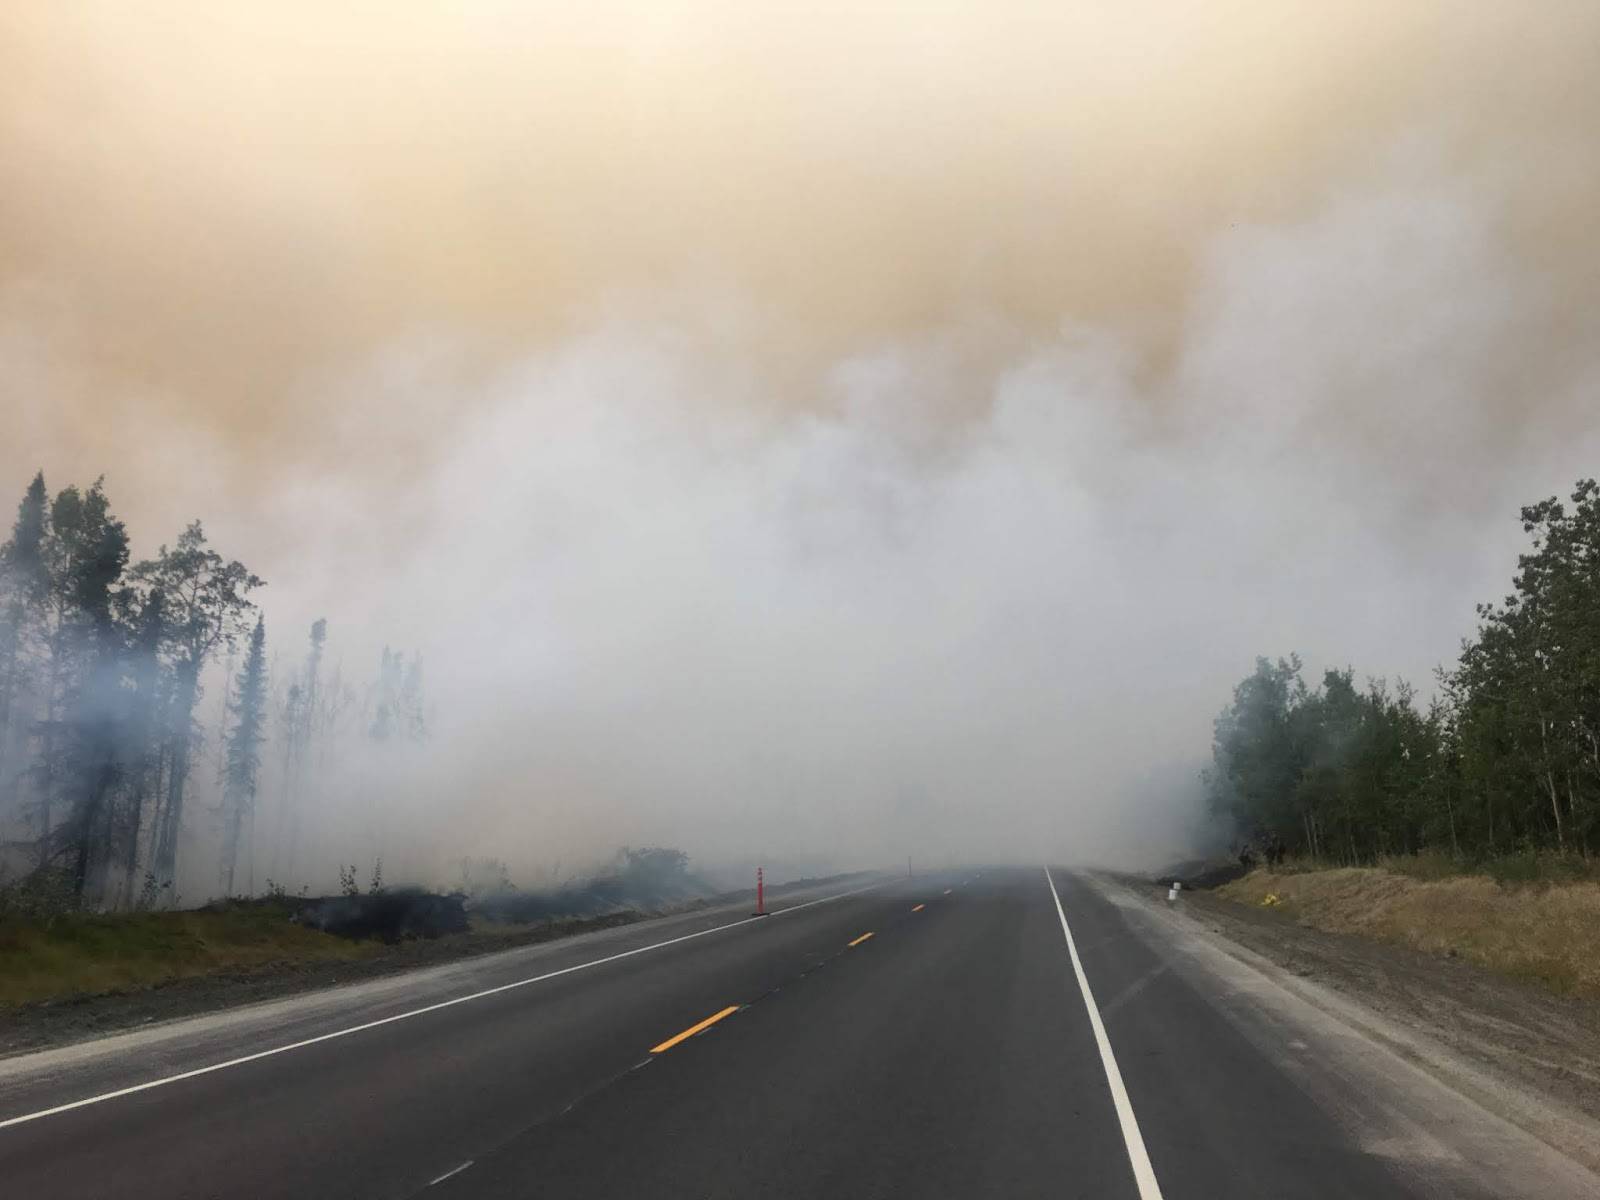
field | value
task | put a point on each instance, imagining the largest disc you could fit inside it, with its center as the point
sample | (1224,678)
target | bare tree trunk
(166,849)
(90,827)
(1550,783)
(129,851)
(10,776)
(149,787)
(1572,809)
(232,832)
(47,783)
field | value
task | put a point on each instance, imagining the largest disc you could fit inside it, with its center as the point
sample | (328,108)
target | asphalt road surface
(963,1035)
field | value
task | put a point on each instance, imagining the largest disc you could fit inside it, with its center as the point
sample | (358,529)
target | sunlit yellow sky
(210,207)
(993,378)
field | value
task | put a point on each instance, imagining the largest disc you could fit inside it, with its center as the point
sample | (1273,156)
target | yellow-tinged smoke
(206,206)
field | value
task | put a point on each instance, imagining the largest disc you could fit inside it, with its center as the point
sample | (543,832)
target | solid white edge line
(416,1012)
(1143,1174)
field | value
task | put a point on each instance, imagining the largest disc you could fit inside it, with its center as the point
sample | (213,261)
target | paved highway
(1000,1033)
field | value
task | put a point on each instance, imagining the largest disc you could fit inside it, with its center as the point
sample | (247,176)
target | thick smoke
(934,515)
(838,634)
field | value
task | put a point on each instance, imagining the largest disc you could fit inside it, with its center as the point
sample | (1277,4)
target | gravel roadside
(1517,1033)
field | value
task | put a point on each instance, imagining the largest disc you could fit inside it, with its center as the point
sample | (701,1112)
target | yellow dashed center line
(694,1029)
(919,908)
(861,939)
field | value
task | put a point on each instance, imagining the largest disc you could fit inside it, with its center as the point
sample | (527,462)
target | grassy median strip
(694,1029)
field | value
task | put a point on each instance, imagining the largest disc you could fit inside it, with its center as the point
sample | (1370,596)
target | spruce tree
(243,760)
(23,584)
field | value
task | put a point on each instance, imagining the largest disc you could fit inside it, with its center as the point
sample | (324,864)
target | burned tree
(207,603)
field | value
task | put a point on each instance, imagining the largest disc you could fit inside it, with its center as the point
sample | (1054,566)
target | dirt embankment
(1548,933)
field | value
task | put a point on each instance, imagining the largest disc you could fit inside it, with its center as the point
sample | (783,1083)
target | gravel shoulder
(1526,1052)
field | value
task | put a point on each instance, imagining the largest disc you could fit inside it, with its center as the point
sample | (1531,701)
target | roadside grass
(1524,867)
(82,954)
(1524,924)
(1521,867)
(72,958)
(51,957)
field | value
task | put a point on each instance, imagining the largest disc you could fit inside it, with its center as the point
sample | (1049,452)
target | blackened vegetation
(1506,761)
(1203,873)
(646,880)
(389,916)
(637,882)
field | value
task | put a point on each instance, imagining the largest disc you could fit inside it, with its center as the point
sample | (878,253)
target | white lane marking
(452,1171)
(416,1012)
(1143,1174)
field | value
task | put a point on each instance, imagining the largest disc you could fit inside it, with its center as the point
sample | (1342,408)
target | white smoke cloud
(655,609)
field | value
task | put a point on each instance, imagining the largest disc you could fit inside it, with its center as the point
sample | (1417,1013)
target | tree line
(1504,759)
(109,764)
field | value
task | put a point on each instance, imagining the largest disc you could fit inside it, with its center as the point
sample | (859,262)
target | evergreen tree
(243,758)
(87,549)
(24,584)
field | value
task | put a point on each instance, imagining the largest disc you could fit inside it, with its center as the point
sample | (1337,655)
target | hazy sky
(854,429)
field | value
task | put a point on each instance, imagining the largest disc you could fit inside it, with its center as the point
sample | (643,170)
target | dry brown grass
(1550,933)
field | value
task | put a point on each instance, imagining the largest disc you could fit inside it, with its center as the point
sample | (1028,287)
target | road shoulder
(72,1020)
(1516,1051)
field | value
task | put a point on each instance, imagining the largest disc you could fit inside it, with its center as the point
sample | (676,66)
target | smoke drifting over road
(833,439)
